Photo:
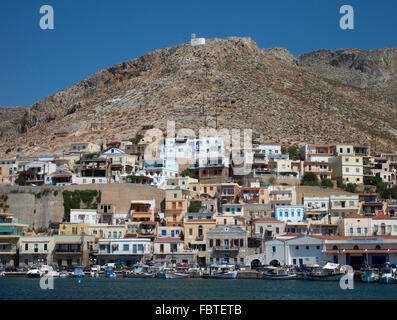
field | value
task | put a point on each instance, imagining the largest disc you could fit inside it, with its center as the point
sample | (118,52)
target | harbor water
(191,289)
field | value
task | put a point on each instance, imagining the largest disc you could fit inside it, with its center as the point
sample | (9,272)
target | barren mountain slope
(248,87)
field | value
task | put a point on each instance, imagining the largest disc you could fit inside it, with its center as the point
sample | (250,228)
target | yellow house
(106,231)
(5,176)
(85,147)
(196,226)
(36,250)
(176,205)
(347,169)
(70,228)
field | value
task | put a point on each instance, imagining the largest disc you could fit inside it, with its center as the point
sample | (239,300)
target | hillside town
(286,205)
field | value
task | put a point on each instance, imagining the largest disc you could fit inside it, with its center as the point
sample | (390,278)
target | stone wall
(40,205)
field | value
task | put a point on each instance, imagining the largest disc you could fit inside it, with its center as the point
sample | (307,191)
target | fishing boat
(329,272)
(109,273)
(78,272)
(34,272)
(279,274)
(139,271)
(49,271)
(220,272)
(370,275)
(176,275)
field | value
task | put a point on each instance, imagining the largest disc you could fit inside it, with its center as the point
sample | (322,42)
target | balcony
(9,249)
(225,248)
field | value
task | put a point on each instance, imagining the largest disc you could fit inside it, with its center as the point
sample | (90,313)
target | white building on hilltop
(196,41)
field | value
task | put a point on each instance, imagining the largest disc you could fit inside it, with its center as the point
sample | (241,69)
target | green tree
(136,139)
(383,190)
(310,179)
(187,173)
(350,187)
(195,206)
(327,183)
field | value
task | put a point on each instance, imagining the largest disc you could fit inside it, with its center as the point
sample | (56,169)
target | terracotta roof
(351,237)
(382,217)
(269,219)
(292,235)
(355,216)
(361,251)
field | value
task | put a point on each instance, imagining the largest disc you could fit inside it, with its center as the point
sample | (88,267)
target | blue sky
(93,34)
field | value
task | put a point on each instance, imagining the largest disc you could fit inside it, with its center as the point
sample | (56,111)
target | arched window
(355,248)
(335,248)
(200,231)
(261,230)
(377,247)
(382,228)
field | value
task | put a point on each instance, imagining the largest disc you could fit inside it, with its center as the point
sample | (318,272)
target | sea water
(190,289)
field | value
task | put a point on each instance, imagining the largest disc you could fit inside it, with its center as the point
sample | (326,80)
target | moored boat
(34,272)
(176,275)
(329,272)
(78,272)
(369,276)
(279,274)
(221,272)
(109,273)
(139,271)
(49,271)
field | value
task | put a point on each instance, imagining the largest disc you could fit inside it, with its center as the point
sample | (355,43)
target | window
(307,247)
(351,230)
(26,246)
(294,261)
(318,247)
(45,246)
(126,247)
(297,248)
(359,230)
(163,232)
(36,247)
(140,247)
(366,230)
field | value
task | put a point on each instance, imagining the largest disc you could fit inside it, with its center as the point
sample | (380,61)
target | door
(226,243)
(300,262)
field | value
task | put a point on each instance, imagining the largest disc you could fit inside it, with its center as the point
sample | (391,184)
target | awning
(104,244)
(68,242)
(62,176)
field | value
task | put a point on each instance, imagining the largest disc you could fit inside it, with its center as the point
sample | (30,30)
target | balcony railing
(225,248)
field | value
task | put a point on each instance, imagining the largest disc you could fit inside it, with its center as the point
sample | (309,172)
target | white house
(290,213)
(174,250)
(124,251)
(195,151)
(159,169)
(196,41)
(316,207)
(89,216)
(295,251)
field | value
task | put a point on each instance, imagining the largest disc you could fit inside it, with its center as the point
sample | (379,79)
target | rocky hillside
(279,97)
(373,69)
